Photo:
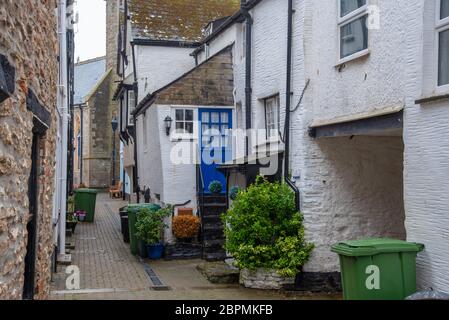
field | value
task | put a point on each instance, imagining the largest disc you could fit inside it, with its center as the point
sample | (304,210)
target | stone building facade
(29,63)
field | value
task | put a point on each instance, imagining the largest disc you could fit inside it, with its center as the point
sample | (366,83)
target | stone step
(214,205)
(212,219)
(207,236)
(219,272)
(213,211)
(213,199)
(217,256)
(217,243)
(217,225)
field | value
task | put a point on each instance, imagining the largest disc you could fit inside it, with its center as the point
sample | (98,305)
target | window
(243,56)
(272,117)
(353,28)
(443,42)
(131,106)
(184,121)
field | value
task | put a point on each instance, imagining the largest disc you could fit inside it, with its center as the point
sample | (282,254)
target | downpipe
(288,107)
(64,114)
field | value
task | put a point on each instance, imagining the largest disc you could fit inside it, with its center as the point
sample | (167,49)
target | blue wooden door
(215,144)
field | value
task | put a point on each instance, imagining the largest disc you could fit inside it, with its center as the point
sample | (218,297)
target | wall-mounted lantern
(168,121)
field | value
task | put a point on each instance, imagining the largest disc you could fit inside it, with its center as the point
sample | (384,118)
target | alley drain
(157,283)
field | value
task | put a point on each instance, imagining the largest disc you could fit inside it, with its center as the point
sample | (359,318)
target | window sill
(433,98)
(353,57)
(183,139)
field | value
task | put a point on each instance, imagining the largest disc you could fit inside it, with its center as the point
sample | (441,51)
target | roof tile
(179,20)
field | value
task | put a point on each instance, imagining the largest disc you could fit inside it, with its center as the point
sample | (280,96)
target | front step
(213,232)
(216,256)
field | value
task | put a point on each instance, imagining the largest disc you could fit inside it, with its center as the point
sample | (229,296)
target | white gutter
(61,179)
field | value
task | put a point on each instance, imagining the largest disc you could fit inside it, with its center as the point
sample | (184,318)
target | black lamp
(114,124)
(168,121)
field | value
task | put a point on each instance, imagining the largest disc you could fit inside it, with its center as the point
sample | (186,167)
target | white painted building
(368,149)
(156,39)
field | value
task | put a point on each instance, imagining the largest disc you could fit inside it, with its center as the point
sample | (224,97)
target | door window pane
(444,12)
(205,117)
(215,117)
(353,37)
(443,61)
(224,117)
(347,6)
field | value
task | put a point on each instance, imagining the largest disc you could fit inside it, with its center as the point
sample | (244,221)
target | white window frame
(175,136)
(276,118)
(441,25)
(343,21)
(130,108)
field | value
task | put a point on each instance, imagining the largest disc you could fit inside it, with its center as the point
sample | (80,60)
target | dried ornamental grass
(185,226)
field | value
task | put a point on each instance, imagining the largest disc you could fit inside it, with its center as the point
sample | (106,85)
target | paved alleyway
(109,271)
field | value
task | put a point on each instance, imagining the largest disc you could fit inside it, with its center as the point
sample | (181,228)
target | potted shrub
(149,228)
(185,227)
(265,235)
(215,187)
(234,192)
(71,222)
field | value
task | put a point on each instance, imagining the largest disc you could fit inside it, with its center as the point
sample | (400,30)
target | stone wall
(29,42)
(209,84)
(98,159)
(113,11)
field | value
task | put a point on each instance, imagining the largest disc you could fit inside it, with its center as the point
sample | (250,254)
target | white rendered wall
(158,66)
(350,188)
(426,139)
(222,41)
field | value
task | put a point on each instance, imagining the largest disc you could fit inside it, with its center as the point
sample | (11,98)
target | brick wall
(29,41)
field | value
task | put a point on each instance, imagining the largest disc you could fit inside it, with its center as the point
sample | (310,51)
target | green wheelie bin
(133,210)
(85,200)
(378,269)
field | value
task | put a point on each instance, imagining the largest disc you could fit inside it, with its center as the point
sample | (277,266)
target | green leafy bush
(264,230)
(150,224)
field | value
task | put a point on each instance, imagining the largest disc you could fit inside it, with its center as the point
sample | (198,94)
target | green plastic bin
(378,269)
(133,210)
(85,200)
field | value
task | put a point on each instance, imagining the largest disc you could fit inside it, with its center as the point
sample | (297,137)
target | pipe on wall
(288,106)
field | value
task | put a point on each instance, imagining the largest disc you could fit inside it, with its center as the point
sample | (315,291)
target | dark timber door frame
(30,258)
(41,123)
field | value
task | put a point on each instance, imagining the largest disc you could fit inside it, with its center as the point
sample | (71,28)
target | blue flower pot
(155,251)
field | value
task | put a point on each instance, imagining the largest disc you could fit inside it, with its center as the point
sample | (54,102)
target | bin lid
(85,190)
(371,247)
(134,208)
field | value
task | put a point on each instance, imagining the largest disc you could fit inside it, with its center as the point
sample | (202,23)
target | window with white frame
(353,30)
(272,116)
(443,42)
(131,106)
(184,121)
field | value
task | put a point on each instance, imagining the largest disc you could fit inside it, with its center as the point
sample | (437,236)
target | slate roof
(177,20)
(87,75)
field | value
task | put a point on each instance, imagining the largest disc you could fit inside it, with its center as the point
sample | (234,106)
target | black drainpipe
(288,106)
(136,164)
(248,59)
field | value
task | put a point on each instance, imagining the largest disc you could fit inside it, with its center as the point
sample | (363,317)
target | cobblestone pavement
(109,271)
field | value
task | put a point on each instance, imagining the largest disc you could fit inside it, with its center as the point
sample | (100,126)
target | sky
(90,33)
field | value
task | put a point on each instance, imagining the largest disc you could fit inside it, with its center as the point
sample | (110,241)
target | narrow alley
(109,271)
